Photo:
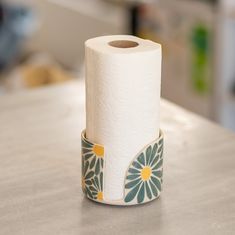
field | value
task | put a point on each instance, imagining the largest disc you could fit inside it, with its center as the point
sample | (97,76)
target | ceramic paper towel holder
(142,182)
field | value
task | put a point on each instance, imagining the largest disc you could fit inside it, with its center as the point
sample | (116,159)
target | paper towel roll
(123,76)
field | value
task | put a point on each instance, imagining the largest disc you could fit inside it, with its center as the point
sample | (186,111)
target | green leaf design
(134,171)
(141,159)
(160,149)
(159,165)
(132,183)
(88,192)
(86,144)
(154,151)
(88,182)
(89,175)
(136,165)
(92,188)
(132,177)
(88,155)
(84,150)
(156,182)
(87,141)
(101,180)
(161,154)
(148,153)
(97,167)
(155,160)
(154,190)
(140,197)
(86,168)
(143,183)
(131,195)
(157,173)
(92,171)
(92,162)
(148,192)
(97,182)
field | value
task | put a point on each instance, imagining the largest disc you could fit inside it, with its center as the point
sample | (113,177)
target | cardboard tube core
(123,44)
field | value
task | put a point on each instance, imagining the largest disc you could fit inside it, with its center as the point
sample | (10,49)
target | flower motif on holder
(96,188)
(92,169)
(144,176)
(86,177)
(94,153)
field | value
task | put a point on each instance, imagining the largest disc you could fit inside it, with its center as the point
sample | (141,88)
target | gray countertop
(40,189)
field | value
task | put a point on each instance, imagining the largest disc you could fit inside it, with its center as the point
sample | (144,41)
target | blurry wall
(64,25)
(197,38)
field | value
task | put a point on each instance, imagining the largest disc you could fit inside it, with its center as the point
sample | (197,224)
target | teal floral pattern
(97,187)
(143,180)
(86,177)
(144,176)
(92,169)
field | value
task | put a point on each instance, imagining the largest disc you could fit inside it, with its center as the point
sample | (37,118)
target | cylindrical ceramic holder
(122,145)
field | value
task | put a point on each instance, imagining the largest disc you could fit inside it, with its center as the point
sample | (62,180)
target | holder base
(143,179)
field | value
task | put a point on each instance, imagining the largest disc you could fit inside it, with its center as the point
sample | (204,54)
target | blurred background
(42,43)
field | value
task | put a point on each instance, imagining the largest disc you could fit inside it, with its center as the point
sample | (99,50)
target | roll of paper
(123,78)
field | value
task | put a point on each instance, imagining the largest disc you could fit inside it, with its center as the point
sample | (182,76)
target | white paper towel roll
(123,76)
